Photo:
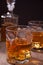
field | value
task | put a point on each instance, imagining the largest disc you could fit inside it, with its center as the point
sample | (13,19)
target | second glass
(37,32)
(18,44)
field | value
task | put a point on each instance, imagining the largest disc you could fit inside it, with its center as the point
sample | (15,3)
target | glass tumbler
(18,43)
(37,32)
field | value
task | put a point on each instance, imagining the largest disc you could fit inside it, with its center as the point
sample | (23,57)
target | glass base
(21,62)
(37,49)
(12,61)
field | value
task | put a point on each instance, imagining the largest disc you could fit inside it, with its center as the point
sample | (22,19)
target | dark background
(26,10)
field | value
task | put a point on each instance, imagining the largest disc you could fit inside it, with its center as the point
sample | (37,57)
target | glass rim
(37,23)
(8,28)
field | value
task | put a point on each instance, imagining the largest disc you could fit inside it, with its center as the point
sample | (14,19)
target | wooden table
(3,57)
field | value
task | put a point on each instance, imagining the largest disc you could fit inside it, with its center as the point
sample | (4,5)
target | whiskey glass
(18,44)
(37,32)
